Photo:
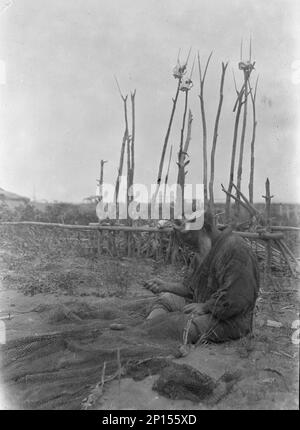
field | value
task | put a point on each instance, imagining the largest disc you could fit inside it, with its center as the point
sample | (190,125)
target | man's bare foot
(155,285)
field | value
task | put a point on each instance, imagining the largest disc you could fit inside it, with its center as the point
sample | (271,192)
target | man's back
(229,271)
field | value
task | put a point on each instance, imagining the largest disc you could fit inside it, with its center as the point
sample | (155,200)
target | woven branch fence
(122,241)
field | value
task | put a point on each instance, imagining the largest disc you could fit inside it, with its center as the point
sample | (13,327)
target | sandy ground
(267,362)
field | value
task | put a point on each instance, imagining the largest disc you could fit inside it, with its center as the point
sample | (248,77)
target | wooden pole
(124,142)
(180,72)
(128,177)
(101,178)
(252,145)
(268,199)
(133,135)
(204,126)
(183,123)
(128,197)
(168,171)
(268,222)
(284,228)
(214,144)
(255,212)
(131,165)
(247,69)
(162,159)
(180,177)
(236,199)
(96,226)
(238,108)
(120,169)
(242,143)
(182,164)
(130,171)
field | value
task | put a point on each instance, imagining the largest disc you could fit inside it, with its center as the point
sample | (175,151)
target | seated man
(217,299)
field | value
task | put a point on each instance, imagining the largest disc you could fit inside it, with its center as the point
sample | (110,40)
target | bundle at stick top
(178,72)
(247,66)
(180,69)
(186,85)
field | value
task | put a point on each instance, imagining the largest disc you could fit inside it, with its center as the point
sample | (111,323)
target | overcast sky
(60,111)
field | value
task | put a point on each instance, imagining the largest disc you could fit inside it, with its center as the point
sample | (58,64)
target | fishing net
(58,369)
(182,381)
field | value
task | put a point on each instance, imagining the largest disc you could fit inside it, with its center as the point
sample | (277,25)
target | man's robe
(227,283)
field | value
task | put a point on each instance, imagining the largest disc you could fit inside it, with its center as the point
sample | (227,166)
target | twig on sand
(119,373)
(96,393)
(103,375)
(184,349)
(269,369)
(283,353)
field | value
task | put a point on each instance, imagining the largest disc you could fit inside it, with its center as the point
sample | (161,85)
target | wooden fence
(139,241)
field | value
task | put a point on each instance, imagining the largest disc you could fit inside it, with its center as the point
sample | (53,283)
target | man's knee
(168,326)
(169,302)
(199,326)
(171,298)
(208,328)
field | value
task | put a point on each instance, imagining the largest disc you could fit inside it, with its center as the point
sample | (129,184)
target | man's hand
(194,308)
(156,285)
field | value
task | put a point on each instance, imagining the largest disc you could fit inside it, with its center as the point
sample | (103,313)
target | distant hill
(12,199)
